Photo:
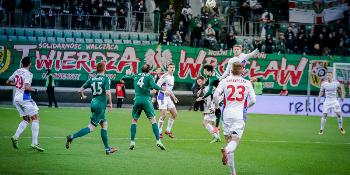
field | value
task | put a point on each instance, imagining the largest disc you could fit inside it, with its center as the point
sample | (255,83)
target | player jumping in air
(235,89)
(165,102)
(27,108)
(330,88)
(143,84)
(100,87)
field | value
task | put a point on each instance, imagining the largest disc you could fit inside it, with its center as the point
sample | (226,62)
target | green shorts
(98,115)
(143,103)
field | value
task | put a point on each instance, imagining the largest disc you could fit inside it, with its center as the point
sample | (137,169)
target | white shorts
(233,126)
(328,105)
(210,117)
(167,103)
(26,108)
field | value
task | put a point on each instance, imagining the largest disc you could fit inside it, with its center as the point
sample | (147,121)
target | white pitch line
(258,141)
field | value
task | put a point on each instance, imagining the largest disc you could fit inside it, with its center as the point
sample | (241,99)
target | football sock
(81,133)
(209,128)
(217,122)
(231,162)
(231,146)
(133,131)
(340,122)
(104,137)
(160,124)
(155,130)
(323,122)
(21,127)
(35,131)
(170,124)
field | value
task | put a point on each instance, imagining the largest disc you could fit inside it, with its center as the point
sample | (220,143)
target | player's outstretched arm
(109,96)
(81,93)
(227,71)
(252,54)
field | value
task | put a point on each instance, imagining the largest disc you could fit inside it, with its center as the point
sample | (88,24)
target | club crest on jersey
(4,59)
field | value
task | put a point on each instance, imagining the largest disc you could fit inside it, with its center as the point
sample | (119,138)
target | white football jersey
(330,89)
(20,77)
(236,89)
(243,58)
(167,81)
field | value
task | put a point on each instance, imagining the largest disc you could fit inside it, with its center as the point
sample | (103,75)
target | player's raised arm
(251,94)
(227,70)
(252,54)
(155,86)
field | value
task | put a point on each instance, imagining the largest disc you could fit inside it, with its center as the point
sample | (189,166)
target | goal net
(341,72)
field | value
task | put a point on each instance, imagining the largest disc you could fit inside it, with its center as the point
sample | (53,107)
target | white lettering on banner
(293,105)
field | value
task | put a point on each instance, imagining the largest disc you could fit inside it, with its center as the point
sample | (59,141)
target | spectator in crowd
(210,40)
(269,44)
(168,22)
(140,10)
(50,88)
(177,38)
(245,11)
(165,37)
(107,19)
(257,43)
(301,42)
(340,48)
(186,16)
(289,39)
(182,29)
(196,35)
(156,24)
(216,25)
(170,11)
(255,13)
(40,18)
(267,19)
(80,20)
(10,7)
(73,10)
(121,19)
(231,40)
(65,13)
(26,6)
(281,47)
(51,15)
(120,93)
(197,91)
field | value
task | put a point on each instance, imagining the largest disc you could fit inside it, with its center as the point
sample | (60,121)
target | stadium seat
(48,33)
(134,36)
(77,34)
(70,40)
(154,42)
(60,40)
(39,33)
(29,32)
(22,39)
(105,35)
(58,34)
(127,41)
(114,35)
(12,38)
(79,40)
(10,32)
(136,42)
(124,36)
(19,32)
(117,41)
(67,34)
(50,39)
(99,41)
(143,37)
(107,41)
(152,37)
(2,31)
(31,39)
(41,39)
(86,34)
(96,35)
(89,40)
(145,42)
(3,37)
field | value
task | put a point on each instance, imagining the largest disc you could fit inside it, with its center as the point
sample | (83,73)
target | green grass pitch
(271,144)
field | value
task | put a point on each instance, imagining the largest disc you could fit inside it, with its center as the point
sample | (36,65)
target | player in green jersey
(143,84)
(100,86)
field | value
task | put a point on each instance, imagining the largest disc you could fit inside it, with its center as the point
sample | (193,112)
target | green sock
(133,131)
(217,122)
(81,133)
(155,130)
(104,137)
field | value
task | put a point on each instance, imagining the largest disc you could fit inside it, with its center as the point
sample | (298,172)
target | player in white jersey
(238,55)
(165,103)
(25,105)
(235,89)
(330,88)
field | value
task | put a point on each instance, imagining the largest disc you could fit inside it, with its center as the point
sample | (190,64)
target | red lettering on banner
(129,58)
(189,66)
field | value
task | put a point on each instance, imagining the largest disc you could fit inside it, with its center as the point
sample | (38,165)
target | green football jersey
(143,84)
(99,85)
(211,80)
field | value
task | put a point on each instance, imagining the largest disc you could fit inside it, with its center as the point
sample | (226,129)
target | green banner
(77,62)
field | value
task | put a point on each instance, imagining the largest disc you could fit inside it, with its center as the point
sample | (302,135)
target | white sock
(340,122)
(160,124)
(21,127)
(323,122)
(170,124)
(231,162)
(231,147)
(35,131)
(209,128)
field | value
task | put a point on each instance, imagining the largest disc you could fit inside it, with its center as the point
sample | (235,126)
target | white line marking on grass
(199,139)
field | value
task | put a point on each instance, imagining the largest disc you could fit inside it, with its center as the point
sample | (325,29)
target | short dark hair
(145,68)
(200,78)
(26,61)
(209,67)
(171,64)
